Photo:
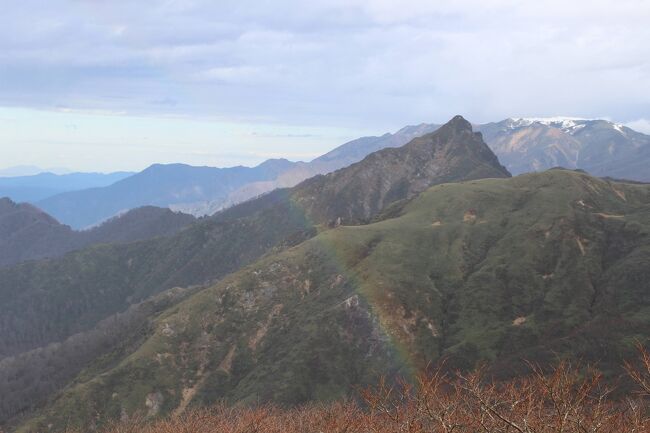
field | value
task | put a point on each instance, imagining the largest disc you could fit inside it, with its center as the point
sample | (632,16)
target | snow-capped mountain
(570,125)
(601,147)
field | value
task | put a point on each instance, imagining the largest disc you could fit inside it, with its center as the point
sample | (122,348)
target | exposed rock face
(153,402)
(340,157)
(357,193)
(600,147)
(78,290)
(496,270)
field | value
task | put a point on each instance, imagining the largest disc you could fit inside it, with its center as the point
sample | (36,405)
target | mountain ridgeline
(108,276)
(54,300)
(497,270)
(40,186)
(600,147)
(158,185)
(358,193)
(410,255)
(340,157)
(201,190)
(27,233)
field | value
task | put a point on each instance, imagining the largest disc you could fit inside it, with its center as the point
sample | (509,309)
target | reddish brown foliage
(567,400)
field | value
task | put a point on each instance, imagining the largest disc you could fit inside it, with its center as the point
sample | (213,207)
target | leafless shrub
(567,399)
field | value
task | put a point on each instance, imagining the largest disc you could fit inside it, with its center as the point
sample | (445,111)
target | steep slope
(43,302)
(27,233)
(76,291)
(356,150)
(40,186)
(452,153)
(158,185)
(49,300)
(28,378)
(495,269)
(600,147)
(340,157)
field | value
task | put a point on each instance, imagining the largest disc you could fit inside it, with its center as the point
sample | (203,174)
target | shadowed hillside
(82,288)
(497,270)
(27,233)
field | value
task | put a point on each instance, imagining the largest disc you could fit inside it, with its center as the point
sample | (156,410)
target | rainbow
(331,243)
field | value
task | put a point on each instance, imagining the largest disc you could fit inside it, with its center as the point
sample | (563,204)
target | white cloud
(379,63)
(641,125)
(232,74)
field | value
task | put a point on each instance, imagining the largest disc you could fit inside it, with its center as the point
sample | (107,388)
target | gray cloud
(342,62)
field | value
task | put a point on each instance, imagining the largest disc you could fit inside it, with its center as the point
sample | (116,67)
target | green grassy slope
(47,301)
(495,269)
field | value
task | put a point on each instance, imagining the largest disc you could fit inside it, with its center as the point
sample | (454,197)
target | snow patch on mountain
(569,125)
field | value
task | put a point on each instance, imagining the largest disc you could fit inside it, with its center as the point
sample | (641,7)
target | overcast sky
(118,84)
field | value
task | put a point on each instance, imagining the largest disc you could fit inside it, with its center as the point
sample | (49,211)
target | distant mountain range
(600,147)
(357,193)
(31,170)
(49,301)
(27,233)
(413,254)
(340,157)
(159,185)
(40,186)
(206,190)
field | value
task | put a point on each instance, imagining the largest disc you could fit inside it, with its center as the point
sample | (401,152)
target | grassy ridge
(497,269)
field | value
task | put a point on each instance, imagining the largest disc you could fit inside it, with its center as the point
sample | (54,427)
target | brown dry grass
(565,400)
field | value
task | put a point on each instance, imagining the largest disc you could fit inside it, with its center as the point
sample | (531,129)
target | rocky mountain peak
(458,124)
(359,192)
(6,203)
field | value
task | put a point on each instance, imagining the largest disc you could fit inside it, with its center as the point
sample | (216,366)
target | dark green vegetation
(49,301)
(46,301)
(369,270)
(27,233)
(498,269)
(42,371)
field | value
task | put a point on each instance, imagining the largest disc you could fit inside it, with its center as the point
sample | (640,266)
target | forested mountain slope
(532,267)
(27,233)
(48,301)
